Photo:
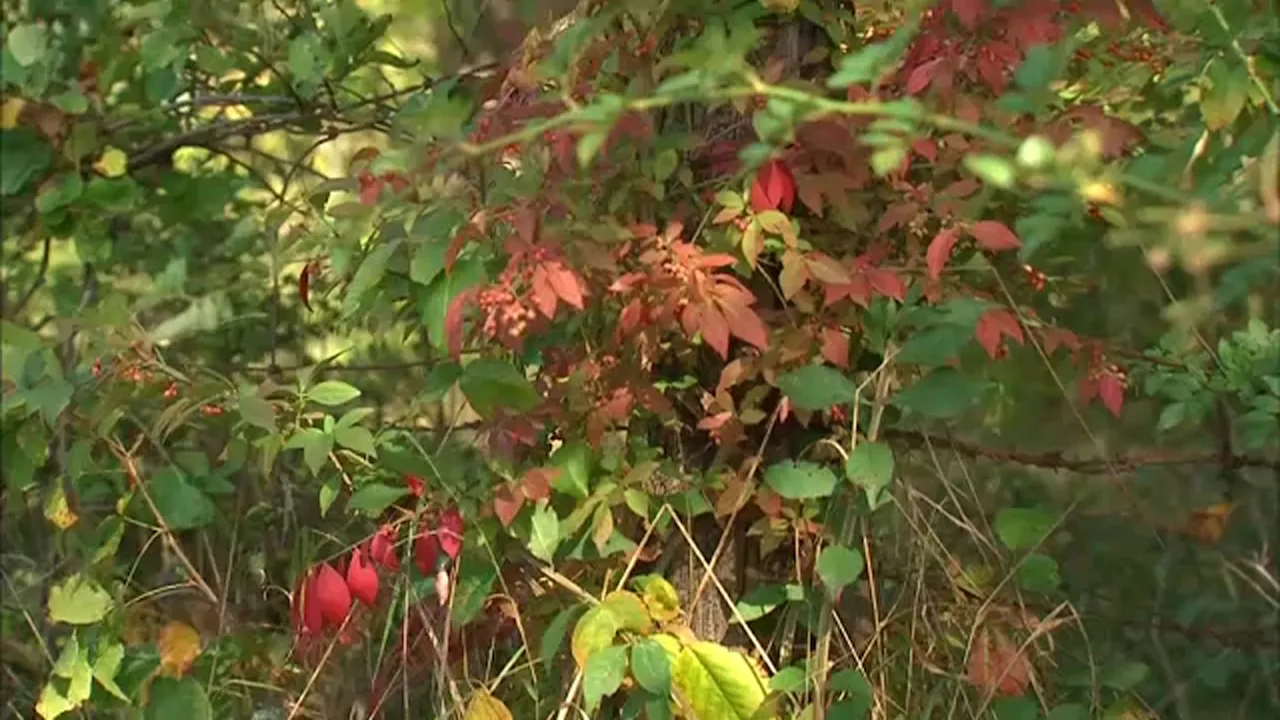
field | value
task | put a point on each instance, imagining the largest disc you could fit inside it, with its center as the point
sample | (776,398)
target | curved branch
(41,274)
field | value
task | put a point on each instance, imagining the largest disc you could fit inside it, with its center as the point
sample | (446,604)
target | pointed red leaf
(994,236)
(1111,392)
(416,486)
(922,75)
(453,317)
(887,283)
(746,325)
(426,551)
(566,285)
(451,532)
(382,548)
(969,12)
(993,326)
(506,504)
(332,595)
(304,286)
(544,296)
(362,579)
(940,251)
(835,347)
(774,187)
(715,330)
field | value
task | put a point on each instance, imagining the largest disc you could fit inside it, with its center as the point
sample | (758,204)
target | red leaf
(304,286)
(544,295)
(940,251)
(453,317)
(1111,392)
(507,504)
(536,483)
(925,148)
(887,283)
(994,236)
(416,486)
(332,595)
(370,188)
(362,579)
(993,326)
(835,347)
(746,324)
(715,330)
(969,12)
(992,70)
(898,214)
(922,75)
(451,532)
(382,548)
(995,665)
(566,284)
(307,617)
(426,551)
(774,187)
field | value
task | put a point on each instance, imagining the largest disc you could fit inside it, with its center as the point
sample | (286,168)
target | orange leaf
(835,347)
(1207,525)
(1111,392)
(507,504)
(544,296)
(995,665)
(746,325)
(179,646)
(715,330)
(995,236)
(566,284)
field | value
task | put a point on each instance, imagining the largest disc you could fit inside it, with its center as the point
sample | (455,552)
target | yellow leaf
(484,706)
(179,647)
(113,163)
(595,631)
(661,598)
(719,682)
(10,111)
(57,511)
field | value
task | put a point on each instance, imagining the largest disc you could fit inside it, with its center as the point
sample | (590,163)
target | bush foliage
(694,359)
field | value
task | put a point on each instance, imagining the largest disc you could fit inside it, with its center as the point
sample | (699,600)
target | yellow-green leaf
(79,601)
(660,597)
(630,611)
(718,682)
(113,163)
(595,631)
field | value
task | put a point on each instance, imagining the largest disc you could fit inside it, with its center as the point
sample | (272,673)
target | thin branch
(18,306)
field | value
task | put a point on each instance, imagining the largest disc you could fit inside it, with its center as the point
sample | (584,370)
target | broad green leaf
(26,156)
(943,393)
(28,43)
(316,446)
(328,493)
(553,636)
(651,666)
(573,460)
(1024,528)
(355,438)
(801,480)
(490,383)
(602,675)
(839,566)
(790,679)
(476,577)
(372,498)
(79,600)
(1069,711)
(1015,708)
(1222,102)
(173,698)
(992,169)
(107,665)
(872,60)
(870,467)
(1039,573)
(258,412)
(935,346)
(718,682)
(182,505)
(817,387)
(544,537)
(760,601)
(332,392)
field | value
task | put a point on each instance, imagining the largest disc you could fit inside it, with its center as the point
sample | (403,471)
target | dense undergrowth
(692,359)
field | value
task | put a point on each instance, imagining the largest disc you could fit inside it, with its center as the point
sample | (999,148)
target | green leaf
(936,345)
(870,467)
(316,446)
(1223,101)
(355,438)
(888,158)
(872,60)
(817,387)
(791,679)
(78,600)
(26,156)
(107,665)
(371,271)
(1069,711)
(992,169)
(760,601)
(1123,676)
(1024,528)
(60,194)
(328,493)
(544,537)
(490,383)
(651,666)
(603,674)
(28,43)
(182,505)
(839,566)
(303,61)
(573,460)
(553,636)
(258,412)
(593,633)
(943,393)
(1039,573)
(372,498)
(800,480)
(332,392)
(178,698)
(1015,708)
(718,682)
